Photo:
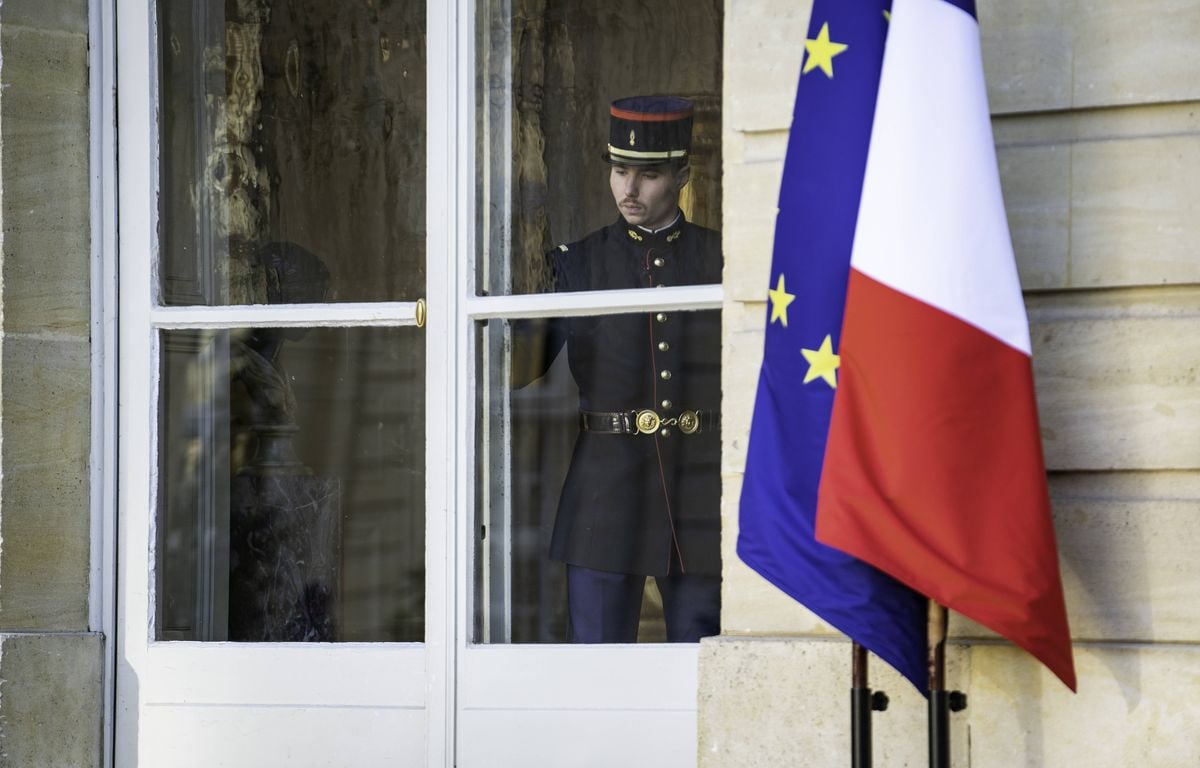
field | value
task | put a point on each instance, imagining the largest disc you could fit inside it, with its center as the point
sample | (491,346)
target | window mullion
(578,303)
(287,315)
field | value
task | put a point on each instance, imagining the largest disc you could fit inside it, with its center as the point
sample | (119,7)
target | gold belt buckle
(647,422)
(689,422)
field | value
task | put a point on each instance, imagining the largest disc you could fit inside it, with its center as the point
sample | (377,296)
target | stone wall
(50,662)
(1097,128)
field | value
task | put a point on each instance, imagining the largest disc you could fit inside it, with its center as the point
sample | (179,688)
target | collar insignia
(674,235)
(634,234)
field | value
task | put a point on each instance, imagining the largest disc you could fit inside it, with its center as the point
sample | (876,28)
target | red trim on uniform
(934,472)
(652,117)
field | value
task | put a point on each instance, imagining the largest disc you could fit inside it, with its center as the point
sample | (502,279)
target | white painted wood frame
(249,704)
(567,706)
(444,702)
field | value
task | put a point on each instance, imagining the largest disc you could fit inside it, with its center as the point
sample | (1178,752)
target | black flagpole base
(860,727)
(939,729)
(941,701)
(862,703)
(941,704)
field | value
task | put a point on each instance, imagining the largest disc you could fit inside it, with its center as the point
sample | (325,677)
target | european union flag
(814,233)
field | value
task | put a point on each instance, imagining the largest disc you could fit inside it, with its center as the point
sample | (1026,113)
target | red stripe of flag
(934,471)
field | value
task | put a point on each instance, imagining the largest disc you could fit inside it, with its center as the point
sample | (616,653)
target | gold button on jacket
(627,498)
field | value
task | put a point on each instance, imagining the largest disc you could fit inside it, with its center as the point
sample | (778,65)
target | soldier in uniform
(642,491)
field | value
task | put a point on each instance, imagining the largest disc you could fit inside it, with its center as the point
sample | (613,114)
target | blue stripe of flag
(967,6)
(814,232)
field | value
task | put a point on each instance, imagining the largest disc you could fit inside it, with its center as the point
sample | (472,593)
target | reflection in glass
(292,485)
(571,471)
(546,74)
(298,122)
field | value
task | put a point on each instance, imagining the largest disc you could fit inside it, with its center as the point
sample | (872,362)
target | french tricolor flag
(933,469)
(895,451)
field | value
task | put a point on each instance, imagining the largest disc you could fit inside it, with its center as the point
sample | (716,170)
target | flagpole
(941,701)
(862,703)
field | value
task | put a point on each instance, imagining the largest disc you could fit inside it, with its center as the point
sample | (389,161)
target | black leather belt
(646,422)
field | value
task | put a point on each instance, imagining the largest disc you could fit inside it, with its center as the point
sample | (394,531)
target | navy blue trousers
(604,607)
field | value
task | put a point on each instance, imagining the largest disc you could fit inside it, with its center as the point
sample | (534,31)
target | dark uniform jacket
(642,503)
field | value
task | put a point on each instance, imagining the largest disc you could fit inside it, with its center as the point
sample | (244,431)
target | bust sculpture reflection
(291,275)
(284,520)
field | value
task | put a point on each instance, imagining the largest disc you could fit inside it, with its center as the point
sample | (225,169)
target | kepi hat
(649,130)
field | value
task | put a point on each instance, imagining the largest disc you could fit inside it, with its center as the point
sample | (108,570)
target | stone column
(51,689)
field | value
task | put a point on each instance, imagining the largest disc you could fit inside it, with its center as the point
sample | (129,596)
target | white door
(534,135)
(284,498)
(328,552)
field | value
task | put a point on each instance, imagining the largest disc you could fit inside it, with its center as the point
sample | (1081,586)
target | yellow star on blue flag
(822,363)
(820,52)
(780,299)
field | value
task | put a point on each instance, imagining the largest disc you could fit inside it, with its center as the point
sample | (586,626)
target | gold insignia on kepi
(647,422)
(635,235)
(674,235)
(689,422)
(632,139)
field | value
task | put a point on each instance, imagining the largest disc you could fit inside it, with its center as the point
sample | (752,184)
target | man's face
(648,195)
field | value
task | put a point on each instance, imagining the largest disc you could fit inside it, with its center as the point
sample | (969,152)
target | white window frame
(451,341)
(485,668)
(197,666)
(102,138)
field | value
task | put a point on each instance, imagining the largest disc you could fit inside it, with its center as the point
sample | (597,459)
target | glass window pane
(547,74)
(291,485)
(598,443)
(292,152)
